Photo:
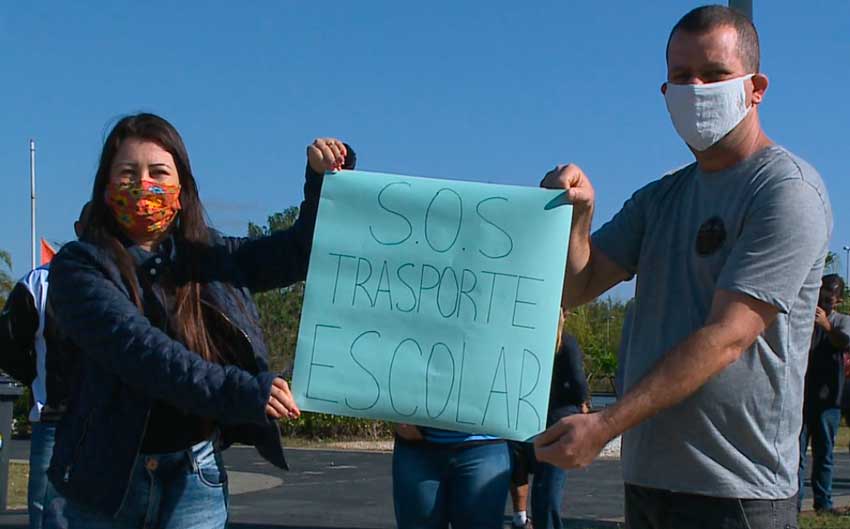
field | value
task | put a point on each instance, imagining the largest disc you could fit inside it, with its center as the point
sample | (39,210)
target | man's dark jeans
(648,508)
(819,426)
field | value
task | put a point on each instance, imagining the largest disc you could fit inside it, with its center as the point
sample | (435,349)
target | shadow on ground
(569,523)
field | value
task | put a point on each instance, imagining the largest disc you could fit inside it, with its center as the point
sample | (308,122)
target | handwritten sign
(433,302)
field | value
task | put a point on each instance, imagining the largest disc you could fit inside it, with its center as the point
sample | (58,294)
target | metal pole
(743,6)
(32,197)
(847,266)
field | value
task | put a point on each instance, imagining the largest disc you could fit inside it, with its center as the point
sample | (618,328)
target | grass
(842,439)
(817,521)
(19,474)
(379,445)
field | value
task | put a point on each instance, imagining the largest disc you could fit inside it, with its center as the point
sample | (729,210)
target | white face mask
(704,113)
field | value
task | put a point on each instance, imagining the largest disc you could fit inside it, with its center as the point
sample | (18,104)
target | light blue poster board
(433,302)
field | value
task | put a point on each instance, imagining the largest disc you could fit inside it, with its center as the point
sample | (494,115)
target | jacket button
(158,260)
(153,271)
(152,464)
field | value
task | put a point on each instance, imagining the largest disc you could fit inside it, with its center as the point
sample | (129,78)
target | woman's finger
(328,156)
(282,384)
(336,148)
(271,412)
(278,406)
(284,397)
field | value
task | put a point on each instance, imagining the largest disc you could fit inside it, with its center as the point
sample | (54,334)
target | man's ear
(760,83)
(664,88)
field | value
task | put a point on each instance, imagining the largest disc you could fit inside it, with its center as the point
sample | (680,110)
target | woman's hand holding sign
(281,404)
(408,432)
(326,154)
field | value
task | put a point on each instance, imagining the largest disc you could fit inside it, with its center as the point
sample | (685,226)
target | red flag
(47,252)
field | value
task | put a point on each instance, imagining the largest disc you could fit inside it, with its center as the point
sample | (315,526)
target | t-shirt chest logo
(711,236)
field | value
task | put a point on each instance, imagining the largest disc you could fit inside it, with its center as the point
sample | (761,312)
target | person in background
(443,478)
(845,391)
(519,487)
(28,338)
(568,395)
(170,366)
(822,395)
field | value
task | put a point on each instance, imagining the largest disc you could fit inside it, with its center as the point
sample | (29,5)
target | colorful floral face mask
(143,208)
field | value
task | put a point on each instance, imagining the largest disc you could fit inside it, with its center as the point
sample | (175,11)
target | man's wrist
(609,429)
(582,213)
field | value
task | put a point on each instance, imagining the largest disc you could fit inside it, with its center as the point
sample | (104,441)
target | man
(729,253)
(27,335)
(822,396)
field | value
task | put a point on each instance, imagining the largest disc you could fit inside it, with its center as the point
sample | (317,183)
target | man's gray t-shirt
(760,228)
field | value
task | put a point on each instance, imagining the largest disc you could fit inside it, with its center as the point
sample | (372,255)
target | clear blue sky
(488,91)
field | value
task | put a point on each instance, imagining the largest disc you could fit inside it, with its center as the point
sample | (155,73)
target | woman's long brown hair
(189,226)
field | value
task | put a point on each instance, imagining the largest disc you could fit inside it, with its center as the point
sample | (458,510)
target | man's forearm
(679,374)
(578,272)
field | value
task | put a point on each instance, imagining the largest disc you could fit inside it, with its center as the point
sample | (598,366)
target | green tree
(278,221)
(6,280)
(597,327)
(280,310)
(280,317)
(832,265)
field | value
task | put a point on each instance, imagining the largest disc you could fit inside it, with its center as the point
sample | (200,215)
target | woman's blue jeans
(436,485)
(167,491)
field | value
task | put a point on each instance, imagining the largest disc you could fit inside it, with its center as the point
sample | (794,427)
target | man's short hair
(833,282)
(706,18)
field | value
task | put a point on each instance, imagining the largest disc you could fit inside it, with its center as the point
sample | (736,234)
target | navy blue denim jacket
(123,363)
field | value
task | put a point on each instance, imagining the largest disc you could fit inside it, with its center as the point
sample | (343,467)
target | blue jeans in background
(167,491)
(39,490)
(547,487)
(436,485)
(819,426)
(547,493)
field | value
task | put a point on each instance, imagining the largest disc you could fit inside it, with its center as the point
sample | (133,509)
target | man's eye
(714,77)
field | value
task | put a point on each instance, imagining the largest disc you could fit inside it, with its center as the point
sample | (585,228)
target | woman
(169,361)
(568,395)
(443,477)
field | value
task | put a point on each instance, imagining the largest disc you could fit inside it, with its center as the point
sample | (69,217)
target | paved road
(333,489)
